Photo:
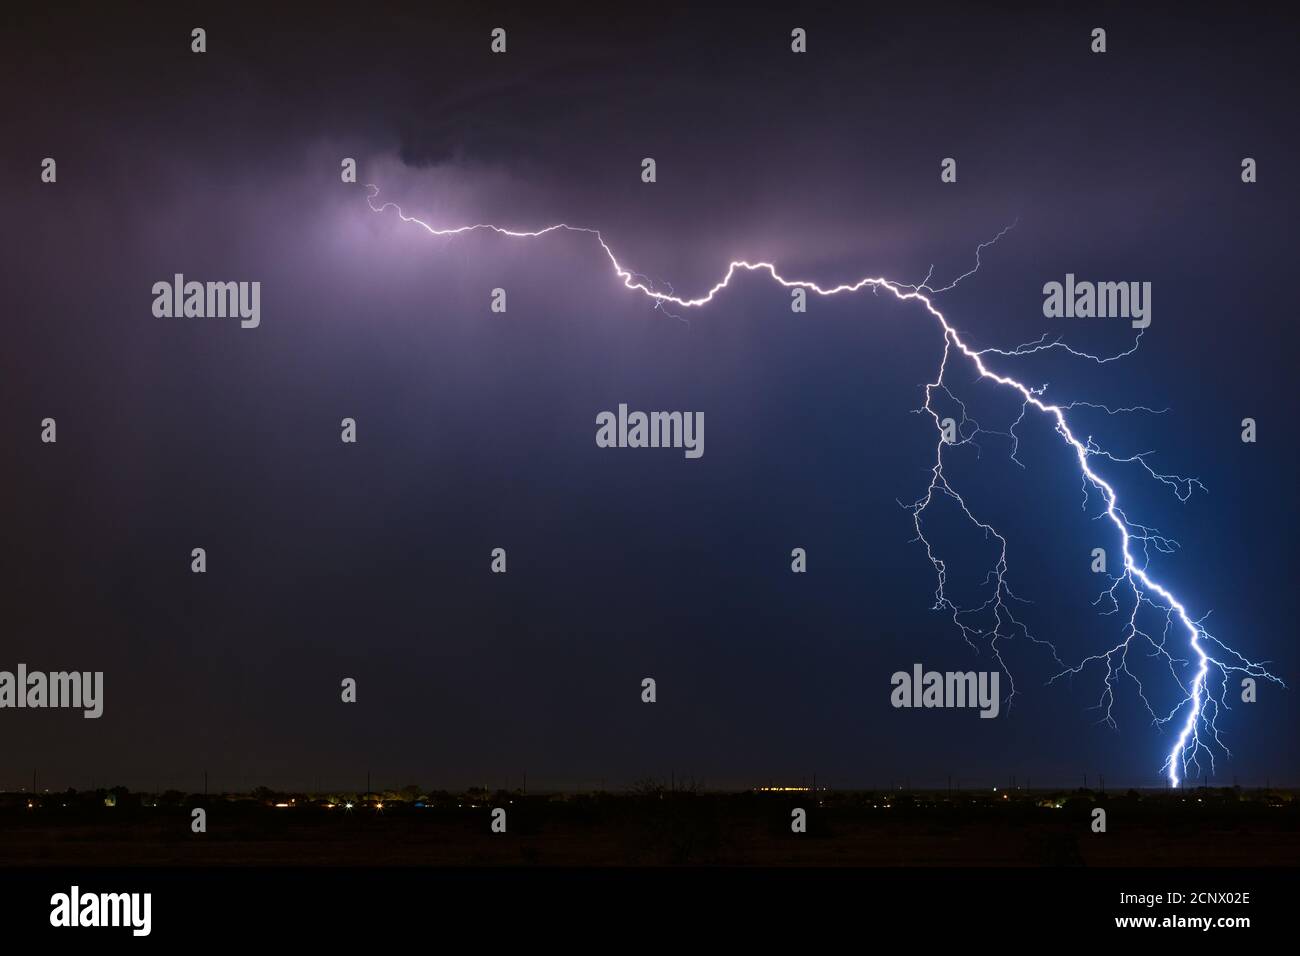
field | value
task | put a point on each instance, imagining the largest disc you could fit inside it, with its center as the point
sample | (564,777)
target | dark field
(1212,828)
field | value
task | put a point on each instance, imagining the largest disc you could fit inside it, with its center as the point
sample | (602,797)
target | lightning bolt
(1195,717)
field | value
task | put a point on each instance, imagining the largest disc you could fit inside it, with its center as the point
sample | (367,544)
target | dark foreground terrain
(655,827)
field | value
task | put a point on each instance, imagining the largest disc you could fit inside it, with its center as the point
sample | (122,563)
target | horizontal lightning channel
(1201,709)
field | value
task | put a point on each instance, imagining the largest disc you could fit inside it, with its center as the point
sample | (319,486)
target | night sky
(476,430)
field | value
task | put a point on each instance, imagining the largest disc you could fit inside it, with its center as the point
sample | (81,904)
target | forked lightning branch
(1199,664)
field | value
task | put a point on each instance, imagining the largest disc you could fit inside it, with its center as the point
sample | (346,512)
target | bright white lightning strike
(1198,707)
